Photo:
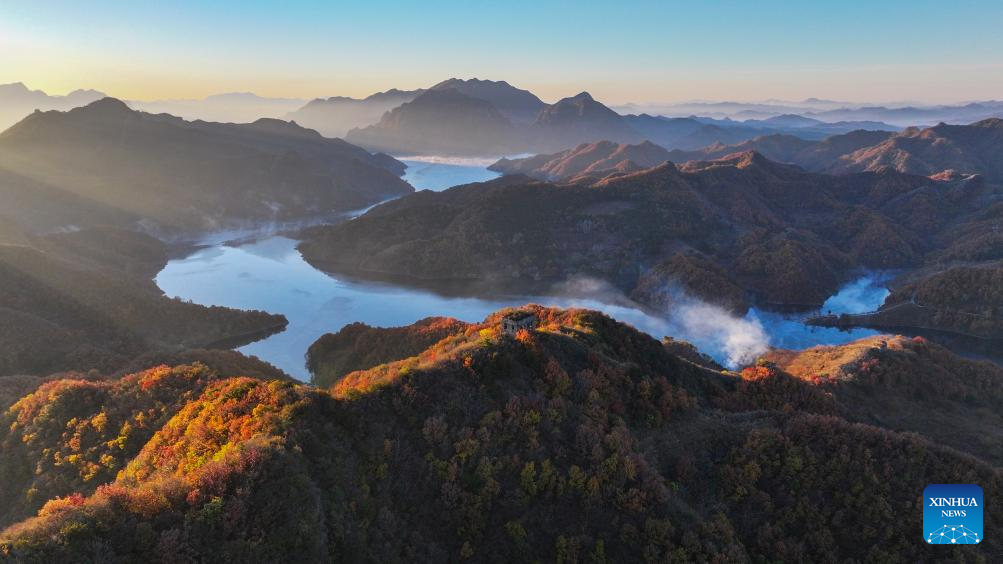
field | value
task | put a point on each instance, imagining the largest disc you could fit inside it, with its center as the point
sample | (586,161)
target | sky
(625,51)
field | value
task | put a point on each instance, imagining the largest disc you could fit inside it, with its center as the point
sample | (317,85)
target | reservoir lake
(266,272)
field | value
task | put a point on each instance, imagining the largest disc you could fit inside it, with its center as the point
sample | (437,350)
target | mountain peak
(570,121)
(460,82)
(587,161)
(994,123)
(86,92)
(583,101)
(519,106)
(107,105)
(444,95)
(393,92)
(19,86)
(283,127)
(750,158)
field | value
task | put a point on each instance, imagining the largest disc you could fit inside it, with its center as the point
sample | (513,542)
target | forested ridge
(86,300)
(582,440)
(106,164)
(734,232)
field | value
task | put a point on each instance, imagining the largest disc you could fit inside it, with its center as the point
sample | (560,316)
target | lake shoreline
(265,270)
(271,275)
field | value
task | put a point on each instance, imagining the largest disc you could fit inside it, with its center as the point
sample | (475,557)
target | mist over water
(864,294)
(737,341)
(788,331)
(269,274)
(733,341)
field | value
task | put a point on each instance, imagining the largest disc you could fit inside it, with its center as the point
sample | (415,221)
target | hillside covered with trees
(86,300)
(105,163)
(967,300)
(580,439)
(734,231)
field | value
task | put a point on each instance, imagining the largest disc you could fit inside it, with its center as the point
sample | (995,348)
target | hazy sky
(868,50)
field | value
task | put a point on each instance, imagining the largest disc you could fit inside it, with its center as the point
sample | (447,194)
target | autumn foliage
(579,440)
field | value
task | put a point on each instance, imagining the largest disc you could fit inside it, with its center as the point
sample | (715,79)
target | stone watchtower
(512,323)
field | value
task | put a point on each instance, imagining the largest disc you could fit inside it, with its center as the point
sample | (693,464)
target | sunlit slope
(582,438)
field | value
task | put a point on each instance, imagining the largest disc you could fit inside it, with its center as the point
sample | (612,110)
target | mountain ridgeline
(17,101)
(87,192)
(337,115)
(130,433)
(942,149)
(174,176)
(488,118)
(586,161)
(579,439)
(440,122)
(85,300)
(949,151)
(731,232)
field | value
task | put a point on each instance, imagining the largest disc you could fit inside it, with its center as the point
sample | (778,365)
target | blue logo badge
(952,514)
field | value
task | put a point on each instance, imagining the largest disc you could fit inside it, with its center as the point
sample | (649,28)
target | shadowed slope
(86,300)
(180,175)
(773,230)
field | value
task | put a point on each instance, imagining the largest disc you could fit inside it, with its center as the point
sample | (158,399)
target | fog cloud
(731,340)
(734,341)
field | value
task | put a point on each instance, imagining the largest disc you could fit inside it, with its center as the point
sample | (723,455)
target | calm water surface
(269,274)
(438,173)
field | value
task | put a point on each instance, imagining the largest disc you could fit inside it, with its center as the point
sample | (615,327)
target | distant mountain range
(233,107)
(694,133)
(438,122)
(734,231)
(972,149)
(509,120)
(529,125)
(899,115)
(575,438)
(17,101)
(588,161)
(726,109)
(335,116)
(948,149)
(917,116)
(105,163)
(579,118)
(519,106)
